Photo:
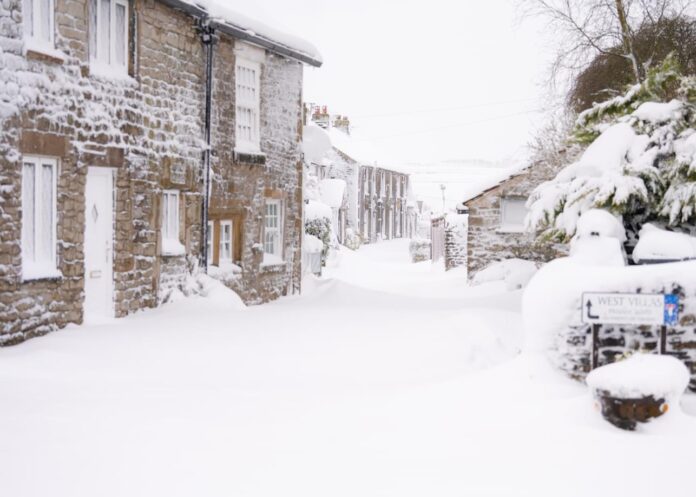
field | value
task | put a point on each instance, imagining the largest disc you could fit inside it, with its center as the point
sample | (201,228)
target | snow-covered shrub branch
(639,162)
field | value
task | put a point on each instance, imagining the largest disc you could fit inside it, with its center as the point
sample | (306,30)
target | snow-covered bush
(598,239)
(640,162)
(655,244)
(420,249)
(352,239)
(515,273)
(320,228)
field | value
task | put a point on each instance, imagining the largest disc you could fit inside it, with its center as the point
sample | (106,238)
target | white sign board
(629,308)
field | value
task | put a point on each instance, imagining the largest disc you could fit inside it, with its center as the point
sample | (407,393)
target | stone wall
(487,242)
(573,347)
(456,234)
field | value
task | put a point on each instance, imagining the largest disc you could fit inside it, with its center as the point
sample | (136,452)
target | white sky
(387,61)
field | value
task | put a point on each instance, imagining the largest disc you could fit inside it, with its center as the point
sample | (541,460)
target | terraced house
(141,140)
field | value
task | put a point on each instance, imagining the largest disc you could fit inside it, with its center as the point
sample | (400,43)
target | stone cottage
(115,117)
(494,221)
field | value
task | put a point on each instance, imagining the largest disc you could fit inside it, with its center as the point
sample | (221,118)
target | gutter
(241,33)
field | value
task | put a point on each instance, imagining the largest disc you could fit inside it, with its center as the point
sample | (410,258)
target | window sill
(172,248)
(511,229)
(40,273)
(249,155)
(44,52)
(108,72)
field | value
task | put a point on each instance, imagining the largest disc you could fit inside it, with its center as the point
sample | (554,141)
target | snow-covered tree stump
(638,389)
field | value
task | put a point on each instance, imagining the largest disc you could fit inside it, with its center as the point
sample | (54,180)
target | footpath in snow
(384,379)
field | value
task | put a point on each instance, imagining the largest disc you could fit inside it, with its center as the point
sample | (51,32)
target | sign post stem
(595,346)
(663,340)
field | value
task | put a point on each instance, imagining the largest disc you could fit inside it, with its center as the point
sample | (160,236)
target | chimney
(342,123)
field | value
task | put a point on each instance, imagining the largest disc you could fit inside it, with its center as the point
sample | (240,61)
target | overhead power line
(451,126)
(443,109)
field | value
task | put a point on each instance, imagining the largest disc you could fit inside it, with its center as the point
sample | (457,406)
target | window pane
(28,16)
(104,31)
(93,28)
(28,211)
(514,212)
(45,252)
(44,20)
(165,215)
(120,35)
(173,216)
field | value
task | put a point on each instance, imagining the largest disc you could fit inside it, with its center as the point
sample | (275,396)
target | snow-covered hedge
(419,249)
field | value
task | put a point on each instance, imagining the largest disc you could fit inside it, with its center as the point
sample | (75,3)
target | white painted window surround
(225,241)
(39,25)
(248,103)
(273,233)
(39,218)
(171,245)
(513,212)
(109,37)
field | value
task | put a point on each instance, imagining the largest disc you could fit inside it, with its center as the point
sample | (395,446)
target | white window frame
(171,242)
(98,59)
(506,204)
(33,24)
(277,249)
(230,256)
(33,268)
(252,105)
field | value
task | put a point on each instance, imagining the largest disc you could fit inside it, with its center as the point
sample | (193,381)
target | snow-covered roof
(251,30)
(315,143)
(492,182)
(332,191)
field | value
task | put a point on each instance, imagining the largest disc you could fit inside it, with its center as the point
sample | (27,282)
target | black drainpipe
(207,35)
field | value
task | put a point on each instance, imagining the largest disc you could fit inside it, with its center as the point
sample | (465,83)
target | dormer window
(109,34)
(38,23)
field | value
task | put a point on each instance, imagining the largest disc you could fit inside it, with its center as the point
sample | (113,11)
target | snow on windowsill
(511,229)
(43,48)
(32,272)
(250,151)
(101,70)
(172,248)
(272,263)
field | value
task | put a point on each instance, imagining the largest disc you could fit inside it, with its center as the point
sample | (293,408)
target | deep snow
(385,379)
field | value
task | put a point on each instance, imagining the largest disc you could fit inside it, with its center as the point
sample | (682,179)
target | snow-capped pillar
(456,240)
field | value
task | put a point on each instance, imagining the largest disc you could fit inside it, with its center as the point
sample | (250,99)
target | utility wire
(443,109)
(460,125)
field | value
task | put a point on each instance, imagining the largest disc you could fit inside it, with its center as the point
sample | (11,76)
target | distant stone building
(378,204)
(103,157)
(494,224)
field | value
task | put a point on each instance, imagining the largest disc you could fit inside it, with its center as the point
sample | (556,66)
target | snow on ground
(384,379)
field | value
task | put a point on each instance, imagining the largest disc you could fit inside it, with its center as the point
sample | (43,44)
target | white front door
(99,241)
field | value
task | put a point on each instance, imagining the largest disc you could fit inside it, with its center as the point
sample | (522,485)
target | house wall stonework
(241,183)
(489,242)
(456,234)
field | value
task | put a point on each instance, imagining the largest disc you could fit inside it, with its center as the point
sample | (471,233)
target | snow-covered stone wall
(456,234)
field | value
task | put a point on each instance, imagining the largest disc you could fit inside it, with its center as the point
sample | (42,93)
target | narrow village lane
(385,379)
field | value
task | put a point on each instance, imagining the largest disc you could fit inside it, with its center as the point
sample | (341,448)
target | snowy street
(383,379)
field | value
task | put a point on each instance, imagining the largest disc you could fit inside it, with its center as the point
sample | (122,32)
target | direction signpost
(655,309)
